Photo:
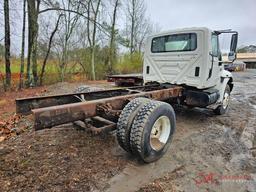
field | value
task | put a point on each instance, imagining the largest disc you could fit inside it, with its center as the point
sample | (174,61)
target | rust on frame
(57,115)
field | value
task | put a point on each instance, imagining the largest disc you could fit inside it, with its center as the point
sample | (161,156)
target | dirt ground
(208,153)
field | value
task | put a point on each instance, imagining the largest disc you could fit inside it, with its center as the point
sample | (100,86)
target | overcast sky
(239,15)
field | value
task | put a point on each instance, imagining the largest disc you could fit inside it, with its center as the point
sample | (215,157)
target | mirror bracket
(232,56)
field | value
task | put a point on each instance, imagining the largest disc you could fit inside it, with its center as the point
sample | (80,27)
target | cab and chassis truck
(182,67)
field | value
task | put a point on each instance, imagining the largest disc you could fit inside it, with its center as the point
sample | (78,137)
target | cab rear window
(174,43)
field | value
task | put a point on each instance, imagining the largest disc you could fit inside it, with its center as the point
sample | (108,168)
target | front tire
(152,131)
(222,109)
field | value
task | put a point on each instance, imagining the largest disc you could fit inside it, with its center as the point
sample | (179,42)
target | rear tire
(152,131)
(222,109)
(125,122)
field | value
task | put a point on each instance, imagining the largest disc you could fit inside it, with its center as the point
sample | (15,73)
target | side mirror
(233,44)
(232,56)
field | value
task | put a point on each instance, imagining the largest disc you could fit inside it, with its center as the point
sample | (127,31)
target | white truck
(191,58)
(182,66)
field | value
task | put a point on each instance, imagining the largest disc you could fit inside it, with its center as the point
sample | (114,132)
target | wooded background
(64,38)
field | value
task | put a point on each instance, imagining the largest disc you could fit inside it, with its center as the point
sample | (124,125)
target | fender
(226,74)
(226,78)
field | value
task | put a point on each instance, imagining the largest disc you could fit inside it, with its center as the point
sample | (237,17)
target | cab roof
(182,30)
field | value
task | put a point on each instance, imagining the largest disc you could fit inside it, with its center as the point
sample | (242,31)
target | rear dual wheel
(125,121)
(150,131)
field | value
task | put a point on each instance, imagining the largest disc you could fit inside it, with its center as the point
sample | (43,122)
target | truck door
(214,74)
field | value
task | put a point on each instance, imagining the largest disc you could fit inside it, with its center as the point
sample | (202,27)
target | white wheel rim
(160,133)
(226,100)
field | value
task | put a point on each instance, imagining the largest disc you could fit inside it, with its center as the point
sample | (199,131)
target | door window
(215,45)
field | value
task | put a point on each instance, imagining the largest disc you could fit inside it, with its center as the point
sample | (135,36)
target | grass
(51,66)
(51,72)
(74,72)
(15,66)
(129,64)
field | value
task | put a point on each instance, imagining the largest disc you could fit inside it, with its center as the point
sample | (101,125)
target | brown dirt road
(207,153)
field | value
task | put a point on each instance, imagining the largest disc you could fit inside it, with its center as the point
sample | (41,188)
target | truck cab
(191,58)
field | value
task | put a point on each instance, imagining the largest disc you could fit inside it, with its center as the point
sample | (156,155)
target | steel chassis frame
(101,107)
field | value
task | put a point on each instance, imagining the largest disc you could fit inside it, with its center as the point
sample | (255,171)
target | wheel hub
(226,100)
(160,133)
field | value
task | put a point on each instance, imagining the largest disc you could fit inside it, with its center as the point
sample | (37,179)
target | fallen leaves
(3,102)
(7,127)
(2,138)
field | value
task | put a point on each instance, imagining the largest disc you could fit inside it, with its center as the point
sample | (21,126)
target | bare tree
(92,9)
(137,24)
(145,28)
(98,45)
(69,22)
(112,43)
(49,49)
(7,43)
(93,12)
(22,59)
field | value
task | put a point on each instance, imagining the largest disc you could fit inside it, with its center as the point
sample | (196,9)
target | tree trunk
(22,59)
(112,40)
(7,44)
(132,28)
(49,49)
(93,63)
(63,61)
(34,47)
(96,12)
(33,10)
(34,57)
(88,22)
(28,75)
(90,41)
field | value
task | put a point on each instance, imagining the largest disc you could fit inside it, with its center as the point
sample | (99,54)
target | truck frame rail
(50,111)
